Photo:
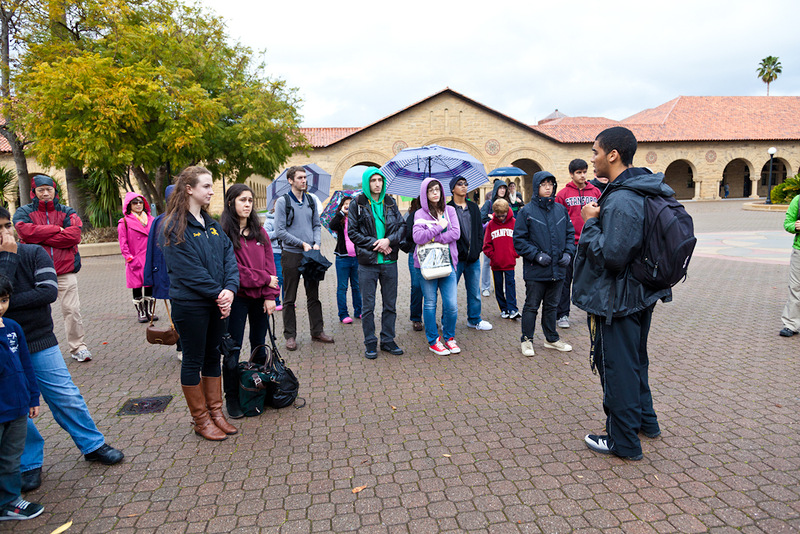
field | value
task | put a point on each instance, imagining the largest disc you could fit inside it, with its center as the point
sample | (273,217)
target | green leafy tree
(154,85)
(768,70)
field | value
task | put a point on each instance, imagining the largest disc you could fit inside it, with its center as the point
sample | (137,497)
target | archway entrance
(525,182)
(737,177)
(779,172)
(352,177)
(680,177)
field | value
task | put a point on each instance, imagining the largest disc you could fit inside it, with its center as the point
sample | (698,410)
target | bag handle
(169,316)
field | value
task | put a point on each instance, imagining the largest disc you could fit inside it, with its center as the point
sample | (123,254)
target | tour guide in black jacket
(376,228)
(620,307)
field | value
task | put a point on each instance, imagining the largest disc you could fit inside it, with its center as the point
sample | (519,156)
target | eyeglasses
(137,201)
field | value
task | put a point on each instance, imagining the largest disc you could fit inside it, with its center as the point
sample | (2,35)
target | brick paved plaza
(486,440)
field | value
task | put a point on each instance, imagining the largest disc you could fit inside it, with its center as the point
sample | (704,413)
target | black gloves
(543,259)
(565,259)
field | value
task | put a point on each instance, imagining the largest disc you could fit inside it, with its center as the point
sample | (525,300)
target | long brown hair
(230,219)
(178,204)
(435,209)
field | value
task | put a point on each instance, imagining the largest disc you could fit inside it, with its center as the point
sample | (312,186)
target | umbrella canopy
(409,167)
(319,183)
(508,171)
(330,208)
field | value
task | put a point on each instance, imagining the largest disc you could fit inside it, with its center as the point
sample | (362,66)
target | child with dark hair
(498,245)
(19,399)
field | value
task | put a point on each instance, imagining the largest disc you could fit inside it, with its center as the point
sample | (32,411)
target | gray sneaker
(563,322)
(83,355)
(558,345)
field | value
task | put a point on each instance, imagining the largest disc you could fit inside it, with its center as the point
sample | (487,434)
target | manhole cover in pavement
(144,405)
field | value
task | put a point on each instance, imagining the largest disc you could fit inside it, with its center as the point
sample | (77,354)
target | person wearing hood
(376,228)
(470,244)
(499,190)
(545,239)
(620,307)
(574,196)
(133,230)
(498,245)
(57,229)
(436,222)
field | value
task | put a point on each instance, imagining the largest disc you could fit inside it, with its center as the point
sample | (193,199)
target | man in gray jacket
(298,232)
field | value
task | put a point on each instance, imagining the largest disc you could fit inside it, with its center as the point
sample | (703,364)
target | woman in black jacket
(346,264)
(203,277)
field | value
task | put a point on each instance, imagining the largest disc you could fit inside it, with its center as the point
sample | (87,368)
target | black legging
(137,292)
(200,328)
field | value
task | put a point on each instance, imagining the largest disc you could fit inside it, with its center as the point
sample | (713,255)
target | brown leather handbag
(162,336)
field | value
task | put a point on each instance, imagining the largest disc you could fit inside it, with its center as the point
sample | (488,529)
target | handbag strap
(169,316)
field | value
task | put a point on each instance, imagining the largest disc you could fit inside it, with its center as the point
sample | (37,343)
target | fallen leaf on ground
(359,489)
(62,528)
(446,455)
(394,407)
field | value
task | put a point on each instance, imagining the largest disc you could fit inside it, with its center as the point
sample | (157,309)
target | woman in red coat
(133,229)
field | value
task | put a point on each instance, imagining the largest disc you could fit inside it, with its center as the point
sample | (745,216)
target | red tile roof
(694,118)
(4,146)
(321,137)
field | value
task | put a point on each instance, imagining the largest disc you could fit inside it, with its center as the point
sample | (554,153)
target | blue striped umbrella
(406,171)
(317,180)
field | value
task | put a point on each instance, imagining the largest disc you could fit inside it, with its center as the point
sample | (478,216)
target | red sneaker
(451,346)
(439,348)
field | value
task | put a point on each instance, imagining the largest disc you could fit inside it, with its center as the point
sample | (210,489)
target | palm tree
(768,70)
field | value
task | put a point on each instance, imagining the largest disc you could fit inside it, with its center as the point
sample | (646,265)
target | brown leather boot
(203,425)
(212,388)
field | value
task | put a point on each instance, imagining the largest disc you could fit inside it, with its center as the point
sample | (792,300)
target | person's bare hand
(33,412)
(590,211)
(382,246)
(306,247)
(8,243)
(273,281)
(442,222)
(797,225)
(269,307)
(315,247)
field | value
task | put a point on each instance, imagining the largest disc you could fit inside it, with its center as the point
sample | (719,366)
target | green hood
(365,183)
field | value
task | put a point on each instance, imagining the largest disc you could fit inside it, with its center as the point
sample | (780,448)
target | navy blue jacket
(18,388)
(203,265)
(543,225)
(608,245)
(155,266)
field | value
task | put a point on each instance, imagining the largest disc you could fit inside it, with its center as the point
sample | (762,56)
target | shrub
(784,193)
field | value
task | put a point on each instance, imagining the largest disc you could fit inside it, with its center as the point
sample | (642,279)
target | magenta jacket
(133,241)
(256,266)
(426,230)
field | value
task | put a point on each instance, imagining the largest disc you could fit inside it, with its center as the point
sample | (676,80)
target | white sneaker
(483,325)
(563,322)
(452,346)
(83,355)
(504,315)
(485,293)
(558,345)
(527,348)
(515,315)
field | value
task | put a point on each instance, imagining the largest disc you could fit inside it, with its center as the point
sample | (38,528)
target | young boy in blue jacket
(19,399)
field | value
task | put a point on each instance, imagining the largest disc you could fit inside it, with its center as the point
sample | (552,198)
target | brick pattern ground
(485,441)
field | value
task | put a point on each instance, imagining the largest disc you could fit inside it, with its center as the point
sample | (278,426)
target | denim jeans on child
(505,290)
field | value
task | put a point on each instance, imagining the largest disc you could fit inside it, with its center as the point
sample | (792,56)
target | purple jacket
(426,229)
(133,241)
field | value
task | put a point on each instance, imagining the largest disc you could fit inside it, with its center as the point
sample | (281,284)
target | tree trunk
(77,200)
(147,188)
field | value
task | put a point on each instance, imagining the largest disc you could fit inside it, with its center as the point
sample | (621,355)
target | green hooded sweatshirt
(378,212)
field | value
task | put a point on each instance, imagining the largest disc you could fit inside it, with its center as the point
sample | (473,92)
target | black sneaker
(787,332)
(602,444)
(651,435)
(392,348)
(106,455)
(20,510)
(31,479)
(371,353)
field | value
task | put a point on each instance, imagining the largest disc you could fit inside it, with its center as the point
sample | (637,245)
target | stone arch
(780,171)
(680,175)
(737,175)
(525,183)
(529,160)
(352,159)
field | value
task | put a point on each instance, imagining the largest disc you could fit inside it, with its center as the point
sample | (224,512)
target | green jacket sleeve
(791,218)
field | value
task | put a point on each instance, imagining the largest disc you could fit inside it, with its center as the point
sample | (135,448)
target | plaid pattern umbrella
(409,167)
(330,208)
(318,181)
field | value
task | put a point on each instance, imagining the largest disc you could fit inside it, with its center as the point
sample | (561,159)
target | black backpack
(668,243)
(287,200)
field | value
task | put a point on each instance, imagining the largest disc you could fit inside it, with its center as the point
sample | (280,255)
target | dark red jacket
(498,243)
(256,266)
(574,199)
(54,226)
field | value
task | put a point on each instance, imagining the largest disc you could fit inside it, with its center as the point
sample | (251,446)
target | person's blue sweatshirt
(18,388)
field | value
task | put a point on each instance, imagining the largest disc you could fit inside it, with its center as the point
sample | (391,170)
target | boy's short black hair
(6,287)
(4,213)
(578,165)
(620,139)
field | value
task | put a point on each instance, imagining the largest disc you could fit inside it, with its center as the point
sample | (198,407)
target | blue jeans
(279,274)
(67,405)
(472,275)
(347,269)
(506,298)
(447,287)
(486,274)
(416,290)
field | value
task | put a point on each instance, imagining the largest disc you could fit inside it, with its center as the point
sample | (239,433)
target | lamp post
(771,153)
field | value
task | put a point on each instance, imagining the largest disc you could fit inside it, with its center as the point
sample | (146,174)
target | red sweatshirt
(574,199)
(498,243)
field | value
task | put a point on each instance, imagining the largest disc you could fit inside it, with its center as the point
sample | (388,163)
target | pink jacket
(133,241)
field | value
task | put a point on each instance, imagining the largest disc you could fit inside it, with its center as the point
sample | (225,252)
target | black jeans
(620,354)
(12,443)
(290,261)
(564,303)
(200,328)
(368,277)
(242,309)
(546,294)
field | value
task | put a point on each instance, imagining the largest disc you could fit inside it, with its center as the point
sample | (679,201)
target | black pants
(290,261)
(368,277)
(12,443)
(242,309)
(563,304)
(620,354)
(546,294)
(200,328)
(137,292)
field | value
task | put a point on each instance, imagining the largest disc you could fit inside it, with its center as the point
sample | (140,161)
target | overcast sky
(355,62)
